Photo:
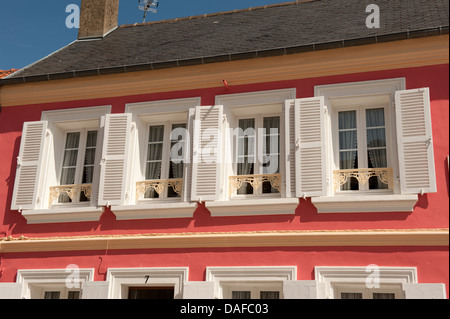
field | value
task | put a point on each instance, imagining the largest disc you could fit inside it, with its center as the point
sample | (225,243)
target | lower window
(161,293)
(255,290)
(357,291)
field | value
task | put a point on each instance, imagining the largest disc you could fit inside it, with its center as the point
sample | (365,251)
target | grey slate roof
(271,30)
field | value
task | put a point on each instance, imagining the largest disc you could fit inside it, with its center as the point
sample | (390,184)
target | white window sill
(155,210)
(63,215)
(365,203)
(253,207)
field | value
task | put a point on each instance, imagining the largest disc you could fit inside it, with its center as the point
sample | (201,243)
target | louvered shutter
(29,165)
(310,142)
(415,141)
(207,151)
(114,159)
(289,113)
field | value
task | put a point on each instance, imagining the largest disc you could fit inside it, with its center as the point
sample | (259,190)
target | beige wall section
(375,57)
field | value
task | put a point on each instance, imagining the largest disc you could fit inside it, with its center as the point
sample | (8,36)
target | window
(258,156)
(364,157)
(62,293)
(160,293)
(78,167)
(54,283)
(360,283)
(252,290)
(378,153)
(58,172)
(250,282)
(164,174)
(358,291)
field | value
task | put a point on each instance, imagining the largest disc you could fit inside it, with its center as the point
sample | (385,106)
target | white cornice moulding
(253,207)
(155,211)
(365,204)
(63,215)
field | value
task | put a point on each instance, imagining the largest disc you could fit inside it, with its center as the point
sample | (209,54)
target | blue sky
(31,30)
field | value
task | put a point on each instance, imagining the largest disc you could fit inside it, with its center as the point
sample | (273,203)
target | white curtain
(246,152)
(69,163)
(348,145)
(177,169)
(89,158)
(154,157)
(376,144)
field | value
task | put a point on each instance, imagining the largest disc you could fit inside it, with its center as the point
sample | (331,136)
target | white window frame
(362,143)
(255,288)
(121,279)
(389,278)
(80,164)
(242,105)
(258,167)
(145,114)
(226,279)
(35,282)
(373,201)
(59,122)
(165,161)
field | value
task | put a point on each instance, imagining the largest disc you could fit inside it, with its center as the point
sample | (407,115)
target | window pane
(348,160)
(270,295)
(156,133)
(347,120)
(155,152)
(91,139)
(348,140)
(72,140)
(383,296)
(89,158)
(376,137)
(241,295)
(74,295)
(52,295)
(153,171)
(351,295)
(158,293)
(375,117)
(68,176)
(70,158)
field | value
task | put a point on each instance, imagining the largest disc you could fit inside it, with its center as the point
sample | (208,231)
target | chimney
(97,18)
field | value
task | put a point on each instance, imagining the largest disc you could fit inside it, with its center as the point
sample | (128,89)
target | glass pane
(383,296)
(351,295)
(153,171)
(158,293)
(91,139)
(156,133)
(68,176)
(347,120)
(70,158)
(74,295)
(376,137)
(247,127)
(348,140)
(89,158)
(348,160)
(52,295)
(375,117)
(241,295)
(72,140)
(155,152)
(271,125)
(270,295)
(88,175)
(377,158)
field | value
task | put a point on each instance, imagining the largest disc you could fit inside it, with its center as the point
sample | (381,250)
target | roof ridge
(207,15)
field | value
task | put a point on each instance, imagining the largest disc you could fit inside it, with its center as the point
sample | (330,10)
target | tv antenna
(148,5)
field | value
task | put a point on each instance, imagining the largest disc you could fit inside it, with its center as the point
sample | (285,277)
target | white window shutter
(114,163)
(289,113)
(29,165)
(415,141)
(310,142)
(207,153)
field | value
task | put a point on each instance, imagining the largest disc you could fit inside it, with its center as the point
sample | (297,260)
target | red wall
(431,211)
